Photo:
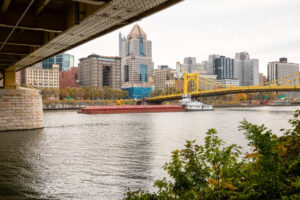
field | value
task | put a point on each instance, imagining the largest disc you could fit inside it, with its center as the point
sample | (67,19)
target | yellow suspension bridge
(198,85)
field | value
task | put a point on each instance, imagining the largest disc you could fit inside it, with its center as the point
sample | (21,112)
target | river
(78,156)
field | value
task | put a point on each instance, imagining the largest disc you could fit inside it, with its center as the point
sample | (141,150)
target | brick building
(69,78)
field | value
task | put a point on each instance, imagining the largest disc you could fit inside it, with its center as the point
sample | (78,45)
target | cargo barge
(131,109)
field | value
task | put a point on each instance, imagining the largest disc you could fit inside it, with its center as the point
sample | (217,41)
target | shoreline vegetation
(214,170)
(76,98)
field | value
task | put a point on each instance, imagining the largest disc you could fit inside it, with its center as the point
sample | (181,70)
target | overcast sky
(267,29)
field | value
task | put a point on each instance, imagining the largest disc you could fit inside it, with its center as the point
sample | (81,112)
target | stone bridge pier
(20,108)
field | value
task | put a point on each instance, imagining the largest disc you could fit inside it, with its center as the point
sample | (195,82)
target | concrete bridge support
(20,108)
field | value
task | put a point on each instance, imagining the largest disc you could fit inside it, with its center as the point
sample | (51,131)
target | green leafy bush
(214,171)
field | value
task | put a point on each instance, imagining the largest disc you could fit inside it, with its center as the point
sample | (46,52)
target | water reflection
(100,156)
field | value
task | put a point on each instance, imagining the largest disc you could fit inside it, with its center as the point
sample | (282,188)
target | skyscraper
(136,53)
(210,63)
(223,67)
(281,69)
(137,66)
(245,69)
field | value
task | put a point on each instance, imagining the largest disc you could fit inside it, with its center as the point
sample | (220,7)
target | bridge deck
(33,30)
(230,90)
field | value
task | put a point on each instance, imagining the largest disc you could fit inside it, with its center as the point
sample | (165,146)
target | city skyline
(215,27)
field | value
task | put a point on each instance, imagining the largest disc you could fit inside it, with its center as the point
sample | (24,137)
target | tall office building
(277,70)
(281,69)
(136,55)
(246,70)
(65,62)
(223,67)
(99,71)
(137,67)
(210,63)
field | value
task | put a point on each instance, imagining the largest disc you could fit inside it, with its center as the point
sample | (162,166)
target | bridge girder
(218,92)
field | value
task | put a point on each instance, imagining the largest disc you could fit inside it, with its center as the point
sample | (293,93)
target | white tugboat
(192,105)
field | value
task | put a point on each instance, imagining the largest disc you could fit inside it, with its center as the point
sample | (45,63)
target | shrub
(271,170)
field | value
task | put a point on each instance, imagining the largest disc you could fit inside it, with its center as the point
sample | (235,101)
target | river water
(79,156)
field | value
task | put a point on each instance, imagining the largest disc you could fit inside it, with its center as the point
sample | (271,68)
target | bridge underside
(33,30)
(236,90)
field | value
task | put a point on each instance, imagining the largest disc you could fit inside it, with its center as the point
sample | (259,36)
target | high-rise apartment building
(277,70)
(100,71)
(210,63)
(223,67)
(162,78)
(136,53)
(246,70)
(41,78)
(65,62)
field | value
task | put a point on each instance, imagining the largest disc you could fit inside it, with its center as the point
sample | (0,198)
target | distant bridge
(212,88)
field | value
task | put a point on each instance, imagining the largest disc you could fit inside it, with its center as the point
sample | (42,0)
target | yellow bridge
(200,86)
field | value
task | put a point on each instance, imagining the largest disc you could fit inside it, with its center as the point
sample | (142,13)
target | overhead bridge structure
(33,30)
(200,86)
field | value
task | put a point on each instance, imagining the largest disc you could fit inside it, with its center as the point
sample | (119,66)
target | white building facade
(246,70)
(277,70)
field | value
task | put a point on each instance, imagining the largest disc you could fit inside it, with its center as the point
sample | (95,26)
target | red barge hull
(131,109)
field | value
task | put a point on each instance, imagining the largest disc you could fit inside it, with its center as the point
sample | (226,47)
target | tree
(271,170)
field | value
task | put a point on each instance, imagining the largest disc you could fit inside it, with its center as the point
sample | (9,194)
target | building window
(106,76)
(143,73)
(141,45)
(126,69)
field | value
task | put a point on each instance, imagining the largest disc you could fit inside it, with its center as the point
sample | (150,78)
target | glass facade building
(223,67)
(65,62)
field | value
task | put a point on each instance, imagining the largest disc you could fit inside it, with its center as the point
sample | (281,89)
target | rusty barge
(131,109)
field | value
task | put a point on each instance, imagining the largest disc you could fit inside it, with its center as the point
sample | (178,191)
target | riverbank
(78,107)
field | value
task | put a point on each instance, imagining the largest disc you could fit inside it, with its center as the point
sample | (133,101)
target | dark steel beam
(13,53)
(21,44)
(93,2)
(31,28)
(18,22)
(41,7)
